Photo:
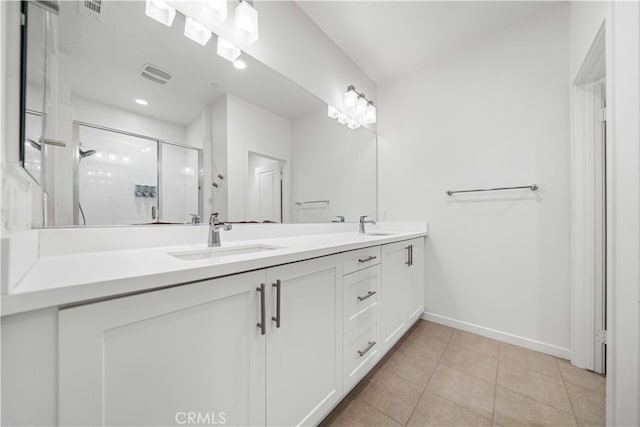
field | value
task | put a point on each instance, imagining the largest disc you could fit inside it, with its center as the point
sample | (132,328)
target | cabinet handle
(408,261)
(366,350)
(278,286)
(368,295)
(370,258)
(411,255)
(262,325)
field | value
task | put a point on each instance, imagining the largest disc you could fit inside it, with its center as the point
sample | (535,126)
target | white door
(304,342)
(189,354)
(268,179)
(394,291)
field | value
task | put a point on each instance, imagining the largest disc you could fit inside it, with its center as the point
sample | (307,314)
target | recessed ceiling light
(141,102)
(240,64)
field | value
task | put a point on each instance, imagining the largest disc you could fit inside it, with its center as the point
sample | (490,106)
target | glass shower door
(179,186)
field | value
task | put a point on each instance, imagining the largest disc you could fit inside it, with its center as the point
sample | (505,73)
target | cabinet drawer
(361,352)
(361,296)
(362,258)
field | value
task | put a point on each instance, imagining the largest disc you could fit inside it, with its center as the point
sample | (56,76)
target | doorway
(589,211)
(265,188)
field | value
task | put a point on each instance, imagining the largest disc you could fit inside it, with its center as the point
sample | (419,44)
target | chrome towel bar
(312,201)
(533,187)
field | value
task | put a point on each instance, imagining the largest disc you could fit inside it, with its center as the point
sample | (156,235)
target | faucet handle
(213,219)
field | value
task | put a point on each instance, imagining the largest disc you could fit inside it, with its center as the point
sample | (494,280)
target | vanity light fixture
(161,11)
(370,114)
(350,97)
(352,124)
(239,64)
(217,11)
(196,31)
(332,112)
(227,50)
(245,23)
(141,102)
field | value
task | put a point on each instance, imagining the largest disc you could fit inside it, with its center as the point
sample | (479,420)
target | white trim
(542,347)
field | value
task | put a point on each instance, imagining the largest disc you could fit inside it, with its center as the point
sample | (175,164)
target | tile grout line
(428,381)
(566,390)
(495,388)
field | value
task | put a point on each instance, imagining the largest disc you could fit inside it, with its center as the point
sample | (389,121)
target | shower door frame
(76,166)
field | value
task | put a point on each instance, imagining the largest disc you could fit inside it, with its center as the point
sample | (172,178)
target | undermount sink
(381,233)
(221,252)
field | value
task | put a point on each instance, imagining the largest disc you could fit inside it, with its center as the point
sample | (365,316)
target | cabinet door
(189,354)
(394,291)
(415,281)
(304,354)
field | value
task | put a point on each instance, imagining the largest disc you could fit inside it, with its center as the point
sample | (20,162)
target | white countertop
(71,278)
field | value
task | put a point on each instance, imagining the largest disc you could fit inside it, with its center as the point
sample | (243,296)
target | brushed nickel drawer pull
(368,295)
(370,258)
(276,318)
(369,347)
(262,325)
(408,261)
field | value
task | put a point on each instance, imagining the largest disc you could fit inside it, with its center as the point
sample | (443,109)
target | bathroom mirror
(127,121)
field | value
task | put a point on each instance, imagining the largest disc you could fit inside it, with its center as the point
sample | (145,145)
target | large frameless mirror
(127,121)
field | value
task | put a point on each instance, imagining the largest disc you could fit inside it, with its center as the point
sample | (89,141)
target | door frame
(588,300)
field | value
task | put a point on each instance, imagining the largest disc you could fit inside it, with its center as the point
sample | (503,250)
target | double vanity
(271,330)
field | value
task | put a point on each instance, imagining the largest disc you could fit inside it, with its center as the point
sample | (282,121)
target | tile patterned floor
(439,376)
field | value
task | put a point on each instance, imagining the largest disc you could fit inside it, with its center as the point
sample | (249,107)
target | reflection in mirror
(154,128)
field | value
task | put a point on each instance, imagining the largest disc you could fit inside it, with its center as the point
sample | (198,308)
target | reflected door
(269,192)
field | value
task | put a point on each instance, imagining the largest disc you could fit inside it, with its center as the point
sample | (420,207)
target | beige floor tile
(476,343)
(471,392)
(392,395)
(513,409)
(533,360)
(543,388)
(433,410)
(411,367)
(582,377)
(585,423)
(358,413)
(434,330)
(469,362)
(587,404)
(423,347)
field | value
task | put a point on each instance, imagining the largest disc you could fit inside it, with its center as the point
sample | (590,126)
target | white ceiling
(388,39)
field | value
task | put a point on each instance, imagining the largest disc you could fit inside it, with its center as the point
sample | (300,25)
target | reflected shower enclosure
(134,179)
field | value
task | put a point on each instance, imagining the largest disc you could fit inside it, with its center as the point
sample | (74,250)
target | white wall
(585,19)
(219,196)
(494,114)
(332,162)
(253,129)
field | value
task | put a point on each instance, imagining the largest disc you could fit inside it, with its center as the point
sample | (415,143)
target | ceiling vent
(155,74)
(92,8)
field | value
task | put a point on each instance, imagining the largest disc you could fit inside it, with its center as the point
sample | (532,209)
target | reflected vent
(91,8)
(155,74)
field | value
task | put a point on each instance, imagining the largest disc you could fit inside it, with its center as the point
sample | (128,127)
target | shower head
(34,144)
(86,153)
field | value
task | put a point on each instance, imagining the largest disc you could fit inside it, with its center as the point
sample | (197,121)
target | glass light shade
(343,119)
(217,11)
(196,32)
(332,112)
(370,114)
(245,23)
(350,98)
(361,105)
(352,124)
(161,11)
(239,64)
(227,50)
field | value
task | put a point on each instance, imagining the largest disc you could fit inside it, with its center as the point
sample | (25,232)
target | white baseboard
(553,350)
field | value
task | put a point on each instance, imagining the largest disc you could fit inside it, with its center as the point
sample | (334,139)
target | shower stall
(124,178)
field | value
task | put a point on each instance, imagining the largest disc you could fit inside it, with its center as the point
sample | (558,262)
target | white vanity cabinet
(159,358)
(304,342)
(402,288)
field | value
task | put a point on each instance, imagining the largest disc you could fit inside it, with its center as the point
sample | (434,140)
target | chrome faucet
(214,226)
(363,222)
(340,219)
(195,219)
